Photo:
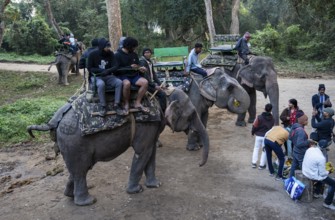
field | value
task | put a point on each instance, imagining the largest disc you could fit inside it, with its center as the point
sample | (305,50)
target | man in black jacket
(243,48)
(130,71)
(321,100)
(324,126)
(153,82)
(101,66)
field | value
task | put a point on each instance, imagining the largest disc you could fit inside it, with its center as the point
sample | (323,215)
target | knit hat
(329,110)
(321,86)
(145,50)
(303,118)
(95,42)
(323,143)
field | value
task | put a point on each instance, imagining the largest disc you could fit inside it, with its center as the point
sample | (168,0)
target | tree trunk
(51,18)
(235,26)
(2,19)
(114,22)
(210,23)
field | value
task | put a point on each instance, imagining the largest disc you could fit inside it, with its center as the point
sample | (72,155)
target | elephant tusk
(236,103)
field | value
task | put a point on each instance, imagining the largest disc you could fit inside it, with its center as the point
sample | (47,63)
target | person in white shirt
(314,167)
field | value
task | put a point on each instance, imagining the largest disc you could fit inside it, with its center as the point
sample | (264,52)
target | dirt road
(225,188)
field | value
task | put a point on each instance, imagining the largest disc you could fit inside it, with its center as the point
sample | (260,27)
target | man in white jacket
(314,167)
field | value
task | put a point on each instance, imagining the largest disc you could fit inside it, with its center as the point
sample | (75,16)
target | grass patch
(12,57)
(15,117)
(30,98)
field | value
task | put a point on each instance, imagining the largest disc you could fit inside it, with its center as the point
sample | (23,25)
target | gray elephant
(80,153)
(64,63)
(259,75)
(219,89)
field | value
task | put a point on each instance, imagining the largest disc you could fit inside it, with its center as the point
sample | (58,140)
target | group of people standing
(120,71)
(306,152)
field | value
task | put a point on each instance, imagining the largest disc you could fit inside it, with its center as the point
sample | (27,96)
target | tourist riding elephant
(259,75)
(66,62)
(219,89)
(80,152)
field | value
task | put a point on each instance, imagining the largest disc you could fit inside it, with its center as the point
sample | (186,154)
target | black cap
(322,86)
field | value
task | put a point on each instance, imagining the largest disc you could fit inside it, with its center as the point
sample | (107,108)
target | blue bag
(294,188)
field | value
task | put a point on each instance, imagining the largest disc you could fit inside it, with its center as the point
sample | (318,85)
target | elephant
(219,89)
(259,75)
(80,153)
(66,62)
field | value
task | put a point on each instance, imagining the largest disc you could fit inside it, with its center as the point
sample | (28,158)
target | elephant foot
(192,147)
(69,190)
(241,123)
(85,200)
(134,190)
(251,120)
(159,144)
(66,84)
(153,184)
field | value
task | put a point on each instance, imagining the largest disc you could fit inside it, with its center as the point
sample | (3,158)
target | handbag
(294,188)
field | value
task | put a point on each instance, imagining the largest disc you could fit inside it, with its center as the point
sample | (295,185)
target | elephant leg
(151,181)
(81,195)
(192,142)
(65,74)
(144,158)
(240,120)
(59,70)
(69,190)
(252,107)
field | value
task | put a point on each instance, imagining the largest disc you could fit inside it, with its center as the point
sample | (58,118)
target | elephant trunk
(273,92)
(203,135)
(239,101)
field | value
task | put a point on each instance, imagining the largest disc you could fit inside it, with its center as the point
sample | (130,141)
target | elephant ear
(173,113)
(207,88)
(247,76)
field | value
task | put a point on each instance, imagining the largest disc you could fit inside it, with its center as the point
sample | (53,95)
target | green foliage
(34,58)
(15,117)
(268,40)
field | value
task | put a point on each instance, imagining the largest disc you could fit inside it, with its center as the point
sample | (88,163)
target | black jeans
(331,189)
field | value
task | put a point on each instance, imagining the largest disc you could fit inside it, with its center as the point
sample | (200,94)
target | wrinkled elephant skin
(219,89)
(259,75)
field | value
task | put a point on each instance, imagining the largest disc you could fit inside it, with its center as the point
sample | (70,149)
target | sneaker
(331,206)
(317,195)
(271,174)
(102,111)
(261,167)
(253,165)
(280,178)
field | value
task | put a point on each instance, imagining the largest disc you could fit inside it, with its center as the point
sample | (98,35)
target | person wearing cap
(101,66)
(243,48)
(314,168)
(193,61)
(82,61)
(321,100)
(273,140)
(300,141)
(324,126)
(288,118)
(154,83)
(263,123)
(131,73)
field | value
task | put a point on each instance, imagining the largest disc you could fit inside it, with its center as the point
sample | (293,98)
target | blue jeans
(109,81)
(289,144)
(331,189)
(199,71)
(274,146)
(296,163)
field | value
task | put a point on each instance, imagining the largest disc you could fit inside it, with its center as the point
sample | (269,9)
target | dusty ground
(225,188)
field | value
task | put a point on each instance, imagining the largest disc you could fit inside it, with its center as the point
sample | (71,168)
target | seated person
(150,75)
(314,168)
(324,126)
(102,63)
(129,71)
(243,48)
(193,61)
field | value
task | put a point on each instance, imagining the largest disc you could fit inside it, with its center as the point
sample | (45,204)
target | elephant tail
(43,127)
